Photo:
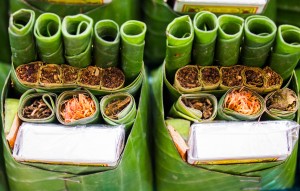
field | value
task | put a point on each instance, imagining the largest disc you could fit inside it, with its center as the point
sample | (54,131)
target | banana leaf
(286,51)
(195,107)
(5,48)
(47,32)
(62,100)
(136,155)
(230,35)
(119,108)
(260,33)
(132,49)
(172,173)
(77,33)
(44,109)
(21,36)
(106,43)
(206,26)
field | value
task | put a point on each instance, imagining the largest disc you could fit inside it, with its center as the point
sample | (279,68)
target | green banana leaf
(180,36)
(172,173)
(286,51)
(206,26)
(136,155)
(106,43)
(188,107)
(4,47)
(132,49)
(29,97)
(77,33)
(260,33)
(119,108)
(22,43)
(230,35)
(47,32)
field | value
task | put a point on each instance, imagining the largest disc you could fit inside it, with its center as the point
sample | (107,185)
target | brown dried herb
(254,78)
(37,110)
(90,75)
(69,74)
(231,76)
(116,106)
(50,74)
(188,77)
(210,75)
(202,104)
(112,78)
(272,77)
(29,72)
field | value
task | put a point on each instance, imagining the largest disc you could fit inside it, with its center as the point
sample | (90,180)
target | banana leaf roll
(37,106)
(90,77)
(286,51)
(281,104)
(50,75)
(132,49)
(119,108)
(254,78)
(21,38)
(231,76)
(230,34)
(28,74)
(47,32)
(112,79)
(69,75)
(260,33)
(187,79)
(195,107)
(210,77)
(273,80)
(106,43)
(205,26)
(77,33)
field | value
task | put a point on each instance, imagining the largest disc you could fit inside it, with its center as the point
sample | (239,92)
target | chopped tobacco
(37,110)
(232,76)
(90,75)
(116,106)
(210,75)
(112,78)
(29,72)
(272,77)
(202,104)
(254,78)
(69,74)
(50,73)
(188,77)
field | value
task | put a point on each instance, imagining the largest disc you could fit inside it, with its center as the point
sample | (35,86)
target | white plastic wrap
(241,142)
(59,144)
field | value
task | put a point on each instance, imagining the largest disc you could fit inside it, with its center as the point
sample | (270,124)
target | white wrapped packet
(84,145)
(241,142)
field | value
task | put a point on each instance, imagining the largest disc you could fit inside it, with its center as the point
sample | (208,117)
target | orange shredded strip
(242,101)
(78,107)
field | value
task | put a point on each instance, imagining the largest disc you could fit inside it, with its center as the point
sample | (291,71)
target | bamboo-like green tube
(106,43)
(205,27)
(180,36)
(21,37)
(77,33)
(230,34)
(286,51)
(47,32)
(132,49)
(260,33)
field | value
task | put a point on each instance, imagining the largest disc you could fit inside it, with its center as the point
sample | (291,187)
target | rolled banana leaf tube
(50,76)
(273,81)
(90,77)
(205,27)
(106,43)
(77,107)
(230,34)
(281,104)
(132,49)
(260,33)
(210,77)
(254,79)
(69,75)
(187,79)
(240,103)
(47,32)
(112,79)
(180,36)
(37,106)
(28,74)
(118,108)
(195,107)
(77,33)
(231,76)
(21,38)
(286,51)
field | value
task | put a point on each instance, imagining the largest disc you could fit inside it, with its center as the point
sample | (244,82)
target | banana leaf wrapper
(136,155)
(205,26)
(254,79)
(273,81)
(281,104)
(286,51)
(112,79)
(69,75)
(28,74)
(90,77)
(187,79)
(61,101)
(169,164)
(260,33)
(195,107)
(5,48)
(47,32)
(50,75)
(106,43)
(119,108)
(40,110)
(180,36)
(77,33)
(231,76)
(132,49)
(210,77)
(230,34)
(21,38)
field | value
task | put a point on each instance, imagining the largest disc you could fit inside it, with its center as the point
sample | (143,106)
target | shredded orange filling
(78,107)
(242,101)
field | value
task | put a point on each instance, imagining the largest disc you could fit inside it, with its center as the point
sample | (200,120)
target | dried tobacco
(231,76)
(113,78)
(210,75)
(188,77)
(254,77)
(90,76)
(202,104)
(272,77)
(116,106)
(50,74)
(69,74)
(37,110)
(29,72)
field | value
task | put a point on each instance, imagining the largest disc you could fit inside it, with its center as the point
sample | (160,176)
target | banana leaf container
(5,49)
(133,171)
(173,173)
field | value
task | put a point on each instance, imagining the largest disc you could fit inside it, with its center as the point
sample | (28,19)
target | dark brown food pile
(254,78)
(116,106)
(202,104)
(69,74)
(29,72)
(210,75)
(283,99)
(232,76)
(37,110)
(90,76)
(188,77)
(50,74)
(272,76)
(112,78)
